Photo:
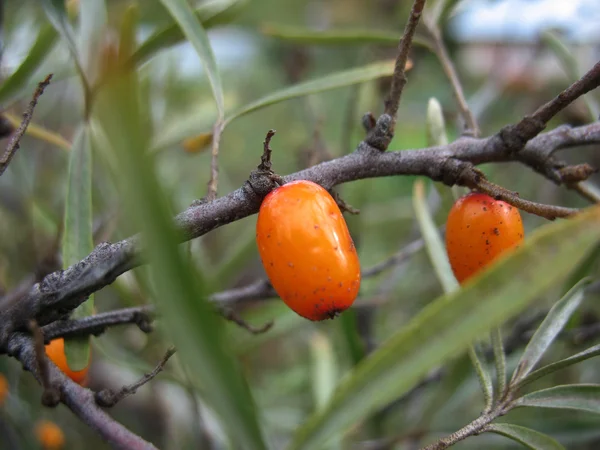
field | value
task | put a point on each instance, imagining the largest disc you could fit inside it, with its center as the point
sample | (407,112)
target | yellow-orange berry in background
(56,352)
(49,435)
(3,389)
(478,230)
(307,251)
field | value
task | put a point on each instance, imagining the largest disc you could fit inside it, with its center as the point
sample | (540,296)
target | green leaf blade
(550,368)
(529,438)
(448,325)
(333,81)
(36,55)
(56,13)
(180,292)
(549,329)
(209,13)
(582,397)
(302,35)
(196,34)
(77,240)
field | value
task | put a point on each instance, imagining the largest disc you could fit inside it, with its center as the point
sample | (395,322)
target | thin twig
(399,78)
(398,258)
(476,180)
(549,212)
(50,396)
(234,317)
(213,183)
(380,136)
(15,141)
(517,135)
(108,398)
(471,127)
(98,323)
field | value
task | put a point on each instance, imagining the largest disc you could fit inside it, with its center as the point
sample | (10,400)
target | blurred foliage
(292,370)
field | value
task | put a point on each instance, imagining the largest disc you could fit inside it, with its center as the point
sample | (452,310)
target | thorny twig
(108,398)
(15,141)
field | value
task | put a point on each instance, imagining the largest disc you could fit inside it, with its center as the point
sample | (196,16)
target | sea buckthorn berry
(3,389)
(56,352)
(307,251)
(49,435)
(478,230)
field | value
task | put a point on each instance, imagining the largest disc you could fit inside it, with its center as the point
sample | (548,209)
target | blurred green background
(286,365)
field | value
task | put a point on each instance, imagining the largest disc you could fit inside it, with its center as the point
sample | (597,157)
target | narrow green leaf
(57,15)
(550,368)
(77,241)
(328,82)
(439,259)
(584,397)
(92,25)
(499,361)
(485,380)
(331,37)
(36,55)
(348,324)
(324,375)
(433,243)
(448,325)
(209,13)
(196,35)
(324,369)
(529,438)
(436,126)
(549,329)
(180,292)
(305,36)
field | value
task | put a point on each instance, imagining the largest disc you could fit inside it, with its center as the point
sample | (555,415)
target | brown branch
(97,324)
(382,134)
(15,141)
(50,396)
(438,47)
(78,399)
(234,317)
(517,135)
(399,78)
(60,292)
(475,179)
(108,398)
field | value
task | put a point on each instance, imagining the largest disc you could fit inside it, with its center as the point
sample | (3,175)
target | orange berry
(49,435)
(56,352)
(478,230)
(3,389)
(307,251)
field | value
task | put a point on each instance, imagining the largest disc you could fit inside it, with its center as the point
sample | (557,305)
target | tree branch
(108,398)
(78,399)
(382,134)
(60,292)
(15,141)
(97,324)
(470,125)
